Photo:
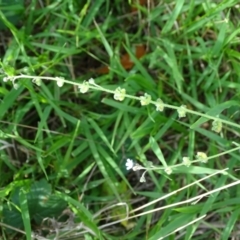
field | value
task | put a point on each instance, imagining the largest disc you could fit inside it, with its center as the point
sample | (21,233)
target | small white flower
(84,87)
(145,100)
(168,170)
(60,81)
(202,157)
(143,179)
(119,94)
(182,111)
(217,126)
(5,79)
(129,164)
(91,81)
(159,105)
(16,86)
(186,161)
(37,81)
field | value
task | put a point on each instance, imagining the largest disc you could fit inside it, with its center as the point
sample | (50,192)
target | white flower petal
(129,164)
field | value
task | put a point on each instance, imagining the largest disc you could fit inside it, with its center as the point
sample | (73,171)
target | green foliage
(34,199)
(12,10)
(147,150)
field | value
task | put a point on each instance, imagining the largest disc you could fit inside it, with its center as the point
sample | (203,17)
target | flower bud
(145,100)
(119,94)
(182,111)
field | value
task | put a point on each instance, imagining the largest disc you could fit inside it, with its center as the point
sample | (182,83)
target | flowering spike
(182,111)
(145,100)
(159,105)
(119,94)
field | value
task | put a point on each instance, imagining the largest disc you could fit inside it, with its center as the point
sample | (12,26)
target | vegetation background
(63,153)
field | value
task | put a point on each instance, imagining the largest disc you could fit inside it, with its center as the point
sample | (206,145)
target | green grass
(65,140)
